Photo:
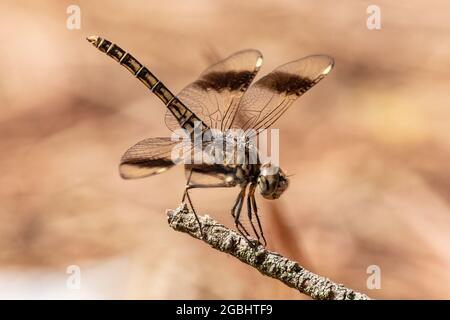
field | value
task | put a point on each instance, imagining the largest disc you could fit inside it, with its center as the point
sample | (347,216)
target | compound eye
(268,185)
(263,184)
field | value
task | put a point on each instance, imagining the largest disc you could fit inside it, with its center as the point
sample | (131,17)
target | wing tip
(128,171)
(259,62)
(328,62)
(123,172)
(329,67)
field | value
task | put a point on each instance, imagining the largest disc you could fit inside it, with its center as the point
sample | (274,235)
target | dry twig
(268,263)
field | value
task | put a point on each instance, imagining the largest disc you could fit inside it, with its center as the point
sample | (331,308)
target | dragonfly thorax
(272,182)
(231,147)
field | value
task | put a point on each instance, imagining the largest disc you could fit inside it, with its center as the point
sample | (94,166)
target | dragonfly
(221,99)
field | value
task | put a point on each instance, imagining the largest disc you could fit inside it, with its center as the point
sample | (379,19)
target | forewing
(215,95)
(267,99)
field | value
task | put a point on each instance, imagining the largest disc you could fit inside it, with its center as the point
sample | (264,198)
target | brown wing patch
(267,100)
(282,82)
(230,80)
(215,95)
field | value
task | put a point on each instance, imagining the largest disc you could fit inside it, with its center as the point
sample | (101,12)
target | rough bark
(266,262)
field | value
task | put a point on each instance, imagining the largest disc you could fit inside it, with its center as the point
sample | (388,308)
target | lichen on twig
(266,262)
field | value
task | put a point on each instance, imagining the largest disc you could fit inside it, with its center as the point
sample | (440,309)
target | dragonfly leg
(251,191)
(189,186)
(186,195)
(188,183)
(239,226)
(255,210)
(236,213)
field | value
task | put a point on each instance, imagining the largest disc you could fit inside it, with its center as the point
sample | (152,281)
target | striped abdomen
(185,117)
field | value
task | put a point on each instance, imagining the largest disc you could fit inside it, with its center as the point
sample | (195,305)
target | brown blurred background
(369,148)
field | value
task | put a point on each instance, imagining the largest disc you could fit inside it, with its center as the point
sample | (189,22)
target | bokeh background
(369,149)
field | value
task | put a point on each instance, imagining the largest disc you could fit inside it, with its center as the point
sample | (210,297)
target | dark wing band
(215,95)
(267,99)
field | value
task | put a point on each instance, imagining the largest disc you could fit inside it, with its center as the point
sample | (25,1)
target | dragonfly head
(272,181)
